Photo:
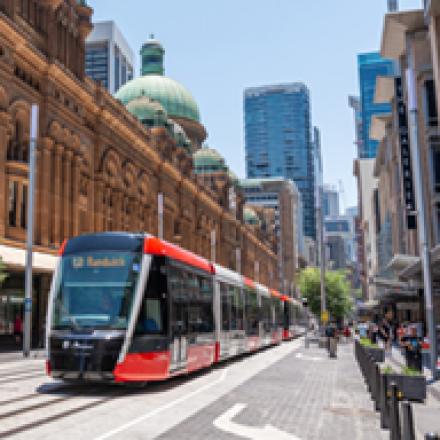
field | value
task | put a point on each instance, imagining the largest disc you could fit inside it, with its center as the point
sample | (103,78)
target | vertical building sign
(405,155)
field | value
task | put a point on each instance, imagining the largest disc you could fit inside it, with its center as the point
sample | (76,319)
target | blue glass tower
(278,140)
(371,65)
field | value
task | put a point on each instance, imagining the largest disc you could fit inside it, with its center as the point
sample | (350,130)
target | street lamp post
(213,245)
(238,259)
(160,215)
(27,333)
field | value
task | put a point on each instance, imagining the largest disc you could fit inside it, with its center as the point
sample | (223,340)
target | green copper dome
(208,160)
(250,216)
(175,98)
(149,112)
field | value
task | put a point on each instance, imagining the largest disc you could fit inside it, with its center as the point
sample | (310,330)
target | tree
(337,288)
(3,274)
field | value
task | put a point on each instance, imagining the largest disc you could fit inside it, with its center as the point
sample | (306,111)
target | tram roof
(156,246)
(228,275)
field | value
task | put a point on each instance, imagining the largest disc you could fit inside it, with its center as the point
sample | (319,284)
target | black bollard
(408,431)
(384,418)
(394,414)
(376,387)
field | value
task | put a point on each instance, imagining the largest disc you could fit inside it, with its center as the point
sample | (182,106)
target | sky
(217,48)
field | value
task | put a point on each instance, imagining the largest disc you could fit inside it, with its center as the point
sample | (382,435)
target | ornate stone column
(57,200)
(117,209)
(76,170)
(67,193)
(99,206)
(45,215)
(4,138)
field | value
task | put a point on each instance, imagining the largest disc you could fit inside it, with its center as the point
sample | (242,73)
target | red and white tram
(133,308)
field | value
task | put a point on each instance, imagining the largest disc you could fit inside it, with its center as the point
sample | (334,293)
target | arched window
(17,148)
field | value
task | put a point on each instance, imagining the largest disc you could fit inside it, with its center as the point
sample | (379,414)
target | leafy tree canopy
(337,287)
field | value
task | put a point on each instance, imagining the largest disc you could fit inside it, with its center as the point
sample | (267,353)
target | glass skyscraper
(278,140)
(371,65)
(109,59)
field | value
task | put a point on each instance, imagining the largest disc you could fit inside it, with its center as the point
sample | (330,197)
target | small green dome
(175,98)
(250,216)
(149,112)
(208,160)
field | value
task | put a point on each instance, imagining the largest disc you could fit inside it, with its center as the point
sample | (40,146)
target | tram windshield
(95,290)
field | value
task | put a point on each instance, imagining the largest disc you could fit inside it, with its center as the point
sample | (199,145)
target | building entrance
(12,293)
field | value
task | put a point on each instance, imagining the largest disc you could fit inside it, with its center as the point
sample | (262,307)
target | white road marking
(225,423)
(163,408)
(308,358)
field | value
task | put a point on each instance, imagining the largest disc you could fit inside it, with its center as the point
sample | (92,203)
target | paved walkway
(303,396)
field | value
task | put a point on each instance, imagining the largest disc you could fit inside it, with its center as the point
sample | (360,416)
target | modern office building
(283,197)
(371,65)
(330,201)
(343,228)
(278,140)
(109,58)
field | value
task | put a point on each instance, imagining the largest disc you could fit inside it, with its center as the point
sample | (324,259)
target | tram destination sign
(405,155)
(81,262)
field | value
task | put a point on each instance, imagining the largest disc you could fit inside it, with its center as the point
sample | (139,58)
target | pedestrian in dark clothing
(330,333)
(413,349)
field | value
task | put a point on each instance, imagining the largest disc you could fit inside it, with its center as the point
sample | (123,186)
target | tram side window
(226,300)
(152,319)
(266,312)
(206,302)
(252,312)
(178,295)
(237,307)
(197,295)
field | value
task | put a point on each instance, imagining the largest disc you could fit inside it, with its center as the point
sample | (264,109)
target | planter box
(411,387)
(378,354)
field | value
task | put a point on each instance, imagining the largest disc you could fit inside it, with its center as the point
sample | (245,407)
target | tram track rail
(19,372)
(20,378)
(55,417)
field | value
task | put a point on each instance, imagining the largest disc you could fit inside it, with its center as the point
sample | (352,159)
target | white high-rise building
(109,58)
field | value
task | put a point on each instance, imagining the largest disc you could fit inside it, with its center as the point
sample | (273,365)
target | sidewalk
(14,356)
(304,396)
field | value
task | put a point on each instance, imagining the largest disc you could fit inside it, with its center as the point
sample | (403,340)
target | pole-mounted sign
(405,156)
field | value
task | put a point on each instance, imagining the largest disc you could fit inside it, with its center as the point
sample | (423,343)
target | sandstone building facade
(99,167)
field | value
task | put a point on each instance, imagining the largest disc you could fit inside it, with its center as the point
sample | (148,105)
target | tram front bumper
(88,359)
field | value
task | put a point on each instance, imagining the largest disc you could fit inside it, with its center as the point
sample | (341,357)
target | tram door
(179,318)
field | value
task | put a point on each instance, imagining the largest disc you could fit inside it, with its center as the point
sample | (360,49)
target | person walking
(385,334)
(413,349)
(330,333)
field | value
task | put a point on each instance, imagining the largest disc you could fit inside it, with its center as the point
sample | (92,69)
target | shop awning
(400,262)
(16,258)
(390,283)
